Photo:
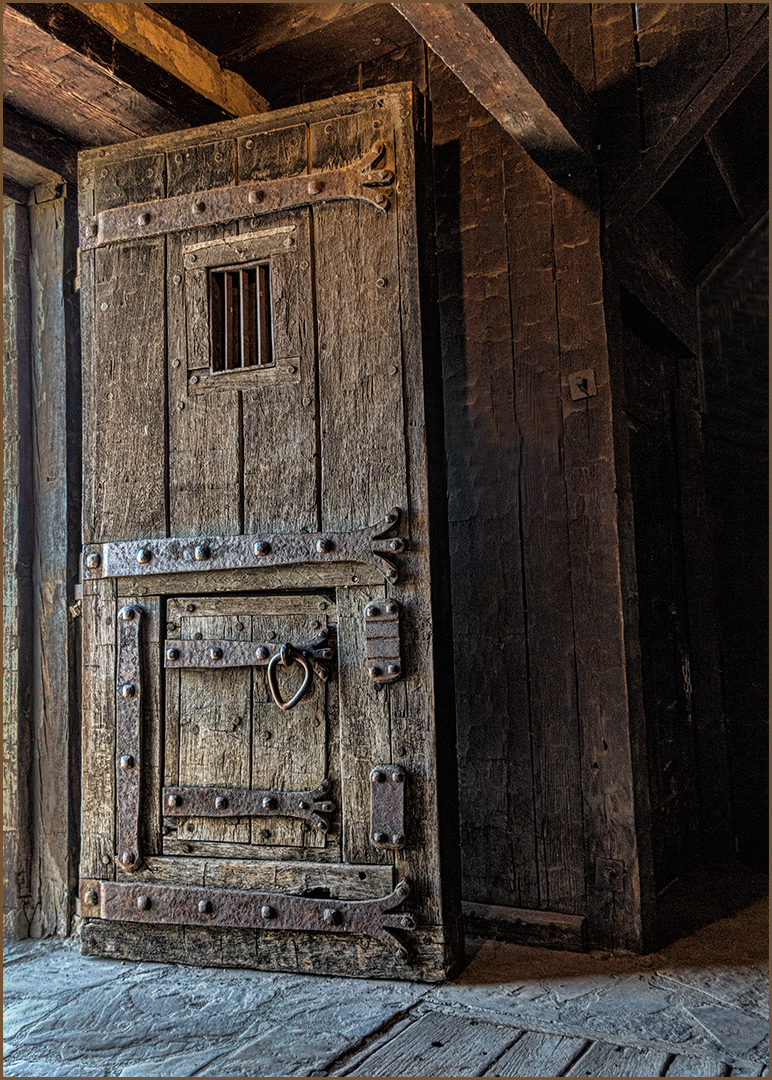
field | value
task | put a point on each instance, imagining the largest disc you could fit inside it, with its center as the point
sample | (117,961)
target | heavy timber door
(265,781)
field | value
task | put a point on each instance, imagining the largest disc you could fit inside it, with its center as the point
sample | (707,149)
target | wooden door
(268,735)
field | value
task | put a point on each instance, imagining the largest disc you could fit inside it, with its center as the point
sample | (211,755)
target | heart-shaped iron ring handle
(288,655)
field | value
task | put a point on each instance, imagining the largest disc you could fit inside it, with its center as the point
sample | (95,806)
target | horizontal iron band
(216,653)
(218,802)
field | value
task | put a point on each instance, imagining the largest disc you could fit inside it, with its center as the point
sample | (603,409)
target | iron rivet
(204,907)
(323,546)
(393,369)
(127,761)
(172,654)
(395,545)
(379,198)
(267,912)
(380,838)
(401,751)
(255,197)
(91,897)
(315,186)
(218,156)
(105,860)
(406,922)
(322,605)
(262,547)
(265,833)
(149,173)
(93,229)
(128,858)
(304,264)
(178,158)
(288,242)
(306,400)
(198,206)
(328,128)
(104,306)
(271,635)
(290,369)
(401,955)
(143,903)
(375,671)
(174,800)
(398,776)
(190,607)
(176,279)
(391,516)
(191,258)
(269,804)
(220,802)
(333,916)
(398,839)
(215,654)
(377,776)
(373,611)
(380,282)
(143,219)
(93,561)
(390,608)
(193,380)
(303,806)
(392,669)
(250,143)
(197,636)
(267,734)
(129,690)
(175,363)
(202,553)
(144,555)
(262,653)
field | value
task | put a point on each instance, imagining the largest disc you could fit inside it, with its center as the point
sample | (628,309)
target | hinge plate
(384,663)
(387,807)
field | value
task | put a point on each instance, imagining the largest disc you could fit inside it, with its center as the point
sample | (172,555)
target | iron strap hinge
(218,802)
(217,653)
(128,709)
(180,905)
(359,181)
(128,558)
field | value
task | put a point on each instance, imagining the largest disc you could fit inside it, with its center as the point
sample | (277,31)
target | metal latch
(384,663)
(387,807)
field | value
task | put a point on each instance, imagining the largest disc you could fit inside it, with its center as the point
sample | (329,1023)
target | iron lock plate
(387,807)
(384,662)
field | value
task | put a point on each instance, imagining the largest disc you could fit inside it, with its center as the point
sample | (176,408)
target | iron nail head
(203,552)
(377,776)
(127,762)
(172,654)
(92,561)
(128,858)
(128,690)
(215,654)
(91,898)
(267,912)
(205,907)
(144,555)
(221,802)
(269,804)
(262,547)
(143,903)
(174,800)
(129,613)
(261,652)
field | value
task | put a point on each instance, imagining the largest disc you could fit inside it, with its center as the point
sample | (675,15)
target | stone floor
(698,1007)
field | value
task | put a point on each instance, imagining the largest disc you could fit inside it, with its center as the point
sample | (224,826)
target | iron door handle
(287,656)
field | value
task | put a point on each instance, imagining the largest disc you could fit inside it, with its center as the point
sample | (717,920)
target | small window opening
(240,318)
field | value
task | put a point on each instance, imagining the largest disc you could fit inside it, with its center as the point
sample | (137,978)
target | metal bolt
(332,916)
(250,143)
(267,734)
(172,654)
(267,912)
(398,839)
(190,607)
(143,903)
(197,636)
(128,858)
(401,955)
(215,654)
(373,611)
(398,776)
(129,690)
(127,762)
(323,546)
(375,672)
(175,363)
(407,922)
(380,282)
(325,654)
(265,833)
(315,186)
(144,555)
(92,561)
(262,653)
(322,605)
(392,669)
(288,242)
(193,380)
(290,369)
(105,860)
(379,198)
(303,806)
(380,838)
(191,258)
(176,279)
(391,608)
(395,545)
(174,800)
(198,206)
(269,804)
(220,802)
(204,907)
(377,776)
(91,897)
(255,197)
(393,369)
(262,547)
(129,613)
(202,553)
(143,219)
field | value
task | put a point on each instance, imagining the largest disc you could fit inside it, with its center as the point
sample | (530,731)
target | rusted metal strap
(360,181)
(215,653)
(384,663)
(387,807)
(128,711)
(196,906)
(129,558)
(213,802)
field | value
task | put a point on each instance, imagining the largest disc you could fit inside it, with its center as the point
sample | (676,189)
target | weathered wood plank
(38,143)
(603,1059)
(684,1065)
(616,92)
(302,604)
(569,29)
(548,929)
(506,61)
(439,1045)
(331,853)
(535,1054)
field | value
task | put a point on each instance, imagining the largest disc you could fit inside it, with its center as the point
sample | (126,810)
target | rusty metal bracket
(196,906)
(384,663)
(387,807)
(128,712)
(241,200)
(218,802)
(216,653)
(129,558)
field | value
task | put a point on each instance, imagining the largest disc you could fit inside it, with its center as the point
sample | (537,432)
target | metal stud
(215,654)
(144,555)
(143,219)
(315,186)
(323,546)
(91,898)
(129,613)
(262,653)
(267,912)
(205,907)
(377,776)
(203,552)
(128,858)
(407,922)
(255,196)
(220,802)
(190,607)
(262,547)
(372,611)
(269,804)
(143,903)
(398,776)
(401,955)
(375,672)
(129,690)
(93,561)
(396,545)
(392,669)
(174,800)
(127,762)
(198,206)
(333,916)
(380,838)
(172,654)
(303,805)
(398,839)
(391,608)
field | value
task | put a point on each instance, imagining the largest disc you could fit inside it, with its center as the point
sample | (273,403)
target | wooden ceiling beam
(39,144)
(277,26)
(744,63)
(507,62)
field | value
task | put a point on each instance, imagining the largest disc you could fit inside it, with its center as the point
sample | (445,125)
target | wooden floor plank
(437,1045)
(536,1054)
(684,1065)
(605,1059)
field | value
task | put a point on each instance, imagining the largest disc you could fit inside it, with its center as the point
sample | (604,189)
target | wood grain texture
(616,92)
(603,1059)
(535,1054)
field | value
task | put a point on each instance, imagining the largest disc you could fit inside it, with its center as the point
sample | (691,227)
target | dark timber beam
(504,59)
(734,75)
(39,144)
